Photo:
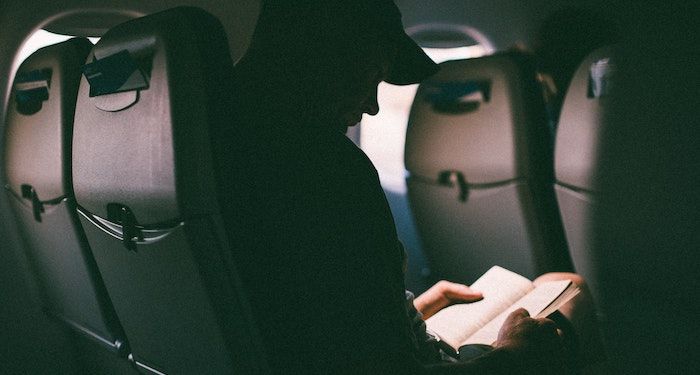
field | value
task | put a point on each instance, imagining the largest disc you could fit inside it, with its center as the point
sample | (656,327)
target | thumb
(460,292)
(521,313)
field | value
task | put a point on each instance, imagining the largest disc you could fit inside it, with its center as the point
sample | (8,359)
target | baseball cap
(409,64)
(326,19)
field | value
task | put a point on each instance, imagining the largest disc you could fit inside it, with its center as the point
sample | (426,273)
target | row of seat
(487,182)
(108,166)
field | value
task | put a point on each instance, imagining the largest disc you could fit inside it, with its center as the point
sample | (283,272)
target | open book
(504,291)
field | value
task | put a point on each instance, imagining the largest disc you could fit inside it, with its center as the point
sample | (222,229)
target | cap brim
(411,65)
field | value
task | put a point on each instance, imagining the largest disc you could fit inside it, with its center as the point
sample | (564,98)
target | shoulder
(334,153)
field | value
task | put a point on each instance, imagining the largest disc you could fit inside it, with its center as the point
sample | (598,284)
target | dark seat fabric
(645,222)
(479,157)
(577,146)
(37,164)
(145,186)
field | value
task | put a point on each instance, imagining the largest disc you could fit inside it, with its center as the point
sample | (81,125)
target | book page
(500,287)
(535,302)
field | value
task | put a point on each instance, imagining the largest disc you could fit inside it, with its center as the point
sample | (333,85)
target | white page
(500,287)
(534,302)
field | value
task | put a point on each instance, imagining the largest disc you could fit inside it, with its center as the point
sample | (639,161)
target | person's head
(332,54)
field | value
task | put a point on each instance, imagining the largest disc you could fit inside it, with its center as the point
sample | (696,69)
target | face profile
(358,94)
(323,61)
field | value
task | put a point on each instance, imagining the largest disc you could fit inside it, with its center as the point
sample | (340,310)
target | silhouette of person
(314,238)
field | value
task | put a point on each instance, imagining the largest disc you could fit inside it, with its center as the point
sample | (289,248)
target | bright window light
(382,137)
(42,38)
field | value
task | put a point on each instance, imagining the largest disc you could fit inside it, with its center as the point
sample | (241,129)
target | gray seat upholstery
(576,157)
(145,186)
(478,153)
(37,161)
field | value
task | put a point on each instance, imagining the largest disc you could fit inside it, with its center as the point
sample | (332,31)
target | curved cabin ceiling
(90,18)
(504,22)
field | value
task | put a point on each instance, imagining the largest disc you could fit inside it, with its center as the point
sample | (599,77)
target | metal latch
(30,194)
(452,179)
(131,233)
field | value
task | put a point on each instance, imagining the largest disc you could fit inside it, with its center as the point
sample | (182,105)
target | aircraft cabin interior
(556,136)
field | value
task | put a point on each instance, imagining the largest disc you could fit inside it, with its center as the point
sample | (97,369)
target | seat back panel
(479,142)
(37,157)
(577,153)
(160,297)
(478,153)
(579,130)
(462,245)
(66,271)
(145,186)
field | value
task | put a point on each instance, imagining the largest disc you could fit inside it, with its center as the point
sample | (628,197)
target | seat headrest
(579,128)
(471,117)
(40,119)
(151,88)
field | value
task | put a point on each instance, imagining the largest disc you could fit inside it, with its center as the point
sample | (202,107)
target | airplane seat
(577,154)
(644,228)
(37,160)
(479,161)
(152,89)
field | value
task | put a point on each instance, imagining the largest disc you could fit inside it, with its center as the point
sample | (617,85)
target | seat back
(145,187)
(577,154)
(37,161)
(478,153)
(647,208)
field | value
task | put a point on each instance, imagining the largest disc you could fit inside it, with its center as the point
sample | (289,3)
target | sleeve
(360,315)
(427,344)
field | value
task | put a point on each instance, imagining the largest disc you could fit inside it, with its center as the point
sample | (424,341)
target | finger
(519,313)
(461,292)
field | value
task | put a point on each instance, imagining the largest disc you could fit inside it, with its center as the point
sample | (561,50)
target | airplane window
(382,137)
(42,38)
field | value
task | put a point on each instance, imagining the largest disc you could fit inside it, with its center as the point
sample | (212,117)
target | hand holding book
(503,293)
(443,294)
